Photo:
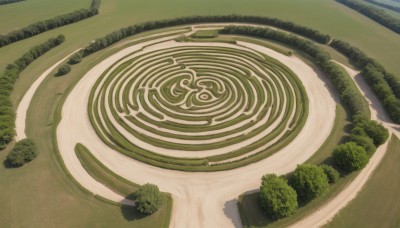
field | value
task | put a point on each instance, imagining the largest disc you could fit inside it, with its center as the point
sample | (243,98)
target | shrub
(24,151)
(75,58)
(148,199)
(376,132)
(278,199)
(350,157)
(309,181)
(63,70)
(331,173)
(366,142)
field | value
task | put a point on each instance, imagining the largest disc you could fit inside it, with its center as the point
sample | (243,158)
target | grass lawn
(48,196)
(20,14)
(377,205)
(125,188)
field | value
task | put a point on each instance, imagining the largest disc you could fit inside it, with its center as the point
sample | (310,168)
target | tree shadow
(231,211)
(7,164)
(130,213)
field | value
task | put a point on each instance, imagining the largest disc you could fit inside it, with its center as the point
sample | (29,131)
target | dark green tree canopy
(332,174)
(309,181)
(148,199)
(278,199)
(350,157)
(24,151)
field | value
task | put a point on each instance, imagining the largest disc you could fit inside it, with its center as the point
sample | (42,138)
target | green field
(40,194)
(381,192)
(30,11)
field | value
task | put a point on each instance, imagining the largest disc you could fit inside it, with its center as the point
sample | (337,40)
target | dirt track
(208,199)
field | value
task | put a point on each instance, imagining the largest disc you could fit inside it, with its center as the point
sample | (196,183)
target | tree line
(385,85)
(343,84)
(3,2)
(7,81)
(122,33)
(374,13)
(43,26)
(383,5)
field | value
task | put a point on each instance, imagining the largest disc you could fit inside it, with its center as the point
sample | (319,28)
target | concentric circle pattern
(203,105)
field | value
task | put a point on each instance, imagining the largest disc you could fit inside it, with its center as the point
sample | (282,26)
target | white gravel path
(209,199)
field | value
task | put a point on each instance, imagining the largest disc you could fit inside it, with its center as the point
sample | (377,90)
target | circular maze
(197,106)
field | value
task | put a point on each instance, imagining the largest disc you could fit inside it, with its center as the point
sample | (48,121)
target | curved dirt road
(200,199)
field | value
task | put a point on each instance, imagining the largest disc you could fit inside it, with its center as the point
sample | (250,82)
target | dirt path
(209,199)
(326,213)
(200,199)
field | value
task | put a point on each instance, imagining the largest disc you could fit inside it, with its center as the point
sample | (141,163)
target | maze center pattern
(195,98)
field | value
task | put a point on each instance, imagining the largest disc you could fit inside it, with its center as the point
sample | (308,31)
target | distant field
(377,205)
(19,14)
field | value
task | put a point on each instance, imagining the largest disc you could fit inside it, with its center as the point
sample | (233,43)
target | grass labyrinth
(192,106)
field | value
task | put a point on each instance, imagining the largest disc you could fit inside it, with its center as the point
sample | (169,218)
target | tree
(24,151)
(376,132)
(331,173)
(350,157)
(63,70)
(278,199)
(309,181)
(148,199)
(366,142)
(75,58)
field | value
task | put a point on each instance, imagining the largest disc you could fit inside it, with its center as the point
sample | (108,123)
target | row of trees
(116,36)
(374,13)
(7,81)
(366,135)
(280,197)
(383,5)
(348,93)
(385,85)
(3,2)
(43,26)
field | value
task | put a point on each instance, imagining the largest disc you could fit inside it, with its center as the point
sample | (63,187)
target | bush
(350,157)
(278,199)
(309,181)
(331,173)
(63,70)
(148,199)
(75,58)
(366,142)
(376,132)
(24,151)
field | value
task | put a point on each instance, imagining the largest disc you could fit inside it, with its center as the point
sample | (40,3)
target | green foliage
(372,129)
(278,199)
(63,70)
(43,26)
(75,58)
(122,33)
(332,174)
(24,151)
(366,142)
(309,181)
(7,81)
(350,157)
(148,199)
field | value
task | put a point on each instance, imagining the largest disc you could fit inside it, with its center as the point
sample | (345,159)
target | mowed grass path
(377,205)
(40,194)
(16,15)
